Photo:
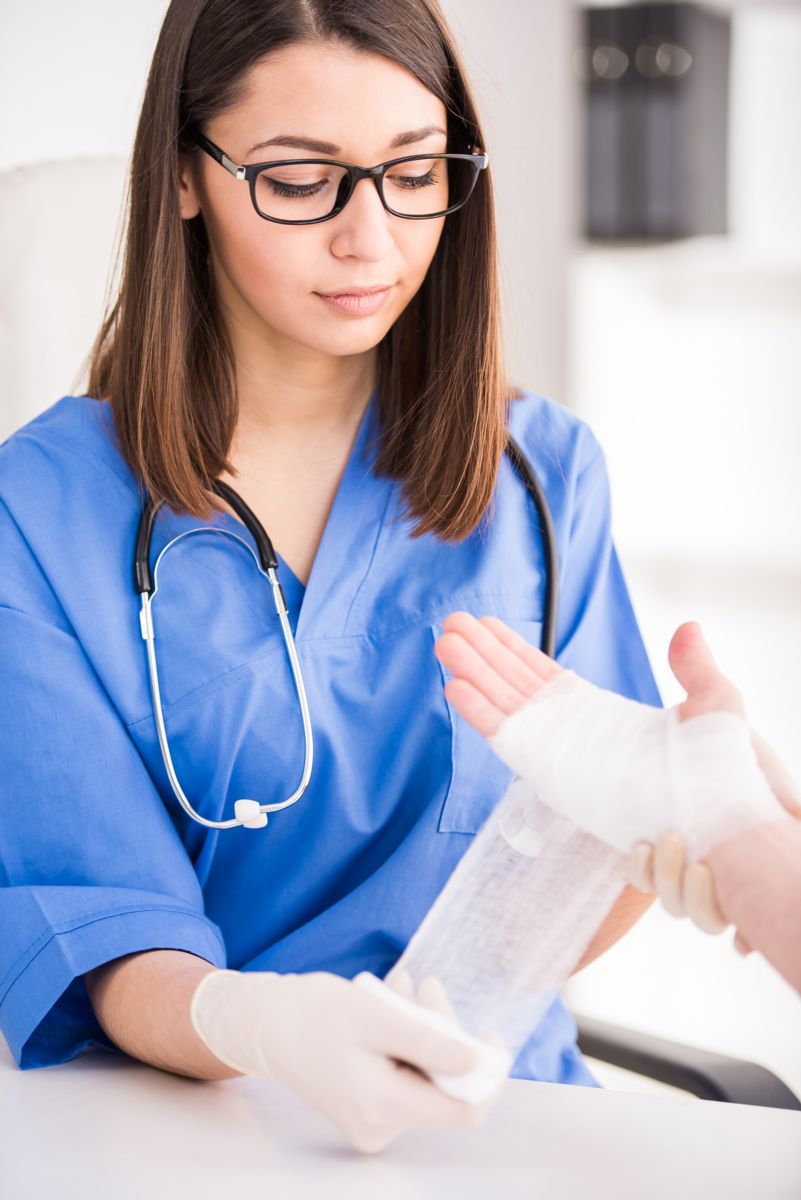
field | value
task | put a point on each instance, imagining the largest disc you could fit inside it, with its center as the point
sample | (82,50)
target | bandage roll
(515,918)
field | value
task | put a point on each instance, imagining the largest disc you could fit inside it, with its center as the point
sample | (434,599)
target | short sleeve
(597,632)
(91,867)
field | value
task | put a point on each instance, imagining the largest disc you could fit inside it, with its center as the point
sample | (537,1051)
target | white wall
(72,76)
(765,179)
(519,57)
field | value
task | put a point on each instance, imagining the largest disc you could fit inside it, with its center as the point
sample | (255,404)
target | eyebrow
(295,141)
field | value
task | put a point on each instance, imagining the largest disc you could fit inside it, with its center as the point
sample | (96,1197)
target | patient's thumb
(696,670)
(691,659)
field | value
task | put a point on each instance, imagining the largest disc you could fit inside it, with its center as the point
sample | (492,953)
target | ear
(189,196)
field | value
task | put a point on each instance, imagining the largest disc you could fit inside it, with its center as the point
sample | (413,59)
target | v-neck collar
(346,546)
(345,549)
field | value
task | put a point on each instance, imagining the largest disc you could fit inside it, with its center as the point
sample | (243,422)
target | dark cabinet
(656,80)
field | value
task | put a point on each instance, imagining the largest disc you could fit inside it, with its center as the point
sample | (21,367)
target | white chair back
(58,227)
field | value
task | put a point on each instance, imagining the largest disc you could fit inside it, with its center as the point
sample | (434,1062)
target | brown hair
(161,356)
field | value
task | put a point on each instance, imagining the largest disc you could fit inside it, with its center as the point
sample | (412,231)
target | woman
(366,430)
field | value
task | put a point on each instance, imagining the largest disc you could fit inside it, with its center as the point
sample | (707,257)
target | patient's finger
(543,666)
(700,899)
(464,662)
(509,665)
(669,871)
(471,704)
(784,786)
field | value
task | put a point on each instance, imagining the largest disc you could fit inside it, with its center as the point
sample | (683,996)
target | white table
(108,1127)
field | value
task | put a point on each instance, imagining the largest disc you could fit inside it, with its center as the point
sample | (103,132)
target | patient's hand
(495,671)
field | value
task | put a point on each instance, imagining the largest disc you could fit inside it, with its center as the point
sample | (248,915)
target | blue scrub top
(97,859)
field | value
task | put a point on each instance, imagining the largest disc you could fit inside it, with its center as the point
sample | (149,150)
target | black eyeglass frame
(249,174)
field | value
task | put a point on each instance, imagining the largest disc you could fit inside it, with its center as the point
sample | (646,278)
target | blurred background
(647,165)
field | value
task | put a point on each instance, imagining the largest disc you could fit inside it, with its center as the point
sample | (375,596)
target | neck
(289,391)
(297,397)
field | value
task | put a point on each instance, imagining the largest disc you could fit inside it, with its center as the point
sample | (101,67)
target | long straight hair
(162,358)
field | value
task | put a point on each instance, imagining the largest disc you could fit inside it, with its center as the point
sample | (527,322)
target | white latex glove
(347,1053)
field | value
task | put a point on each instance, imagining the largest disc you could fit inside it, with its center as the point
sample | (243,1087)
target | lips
(360,302)
(357,291)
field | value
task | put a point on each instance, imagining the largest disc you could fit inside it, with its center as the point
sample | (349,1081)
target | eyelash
(415,181)
(294,190)
(301,191)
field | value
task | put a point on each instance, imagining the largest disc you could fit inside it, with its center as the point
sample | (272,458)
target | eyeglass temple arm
(219,156)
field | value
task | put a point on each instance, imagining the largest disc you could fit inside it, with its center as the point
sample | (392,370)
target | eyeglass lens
(417,188)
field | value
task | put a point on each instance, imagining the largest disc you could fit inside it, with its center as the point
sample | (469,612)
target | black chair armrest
(710,1076)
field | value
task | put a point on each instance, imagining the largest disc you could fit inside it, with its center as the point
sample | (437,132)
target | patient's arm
(758,881)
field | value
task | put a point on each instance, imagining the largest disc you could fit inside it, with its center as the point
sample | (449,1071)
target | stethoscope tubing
(146,585)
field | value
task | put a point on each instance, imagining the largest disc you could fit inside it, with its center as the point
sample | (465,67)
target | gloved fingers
(700,899)
(430,1050)
(505,687)
(432,994)
(640,867)
(368,1139)
(415,1100)
(543,666)
(471,704)
(400,981)
(669,856)
(782,783)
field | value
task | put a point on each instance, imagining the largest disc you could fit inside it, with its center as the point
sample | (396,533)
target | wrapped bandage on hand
(703,788)
(629,773)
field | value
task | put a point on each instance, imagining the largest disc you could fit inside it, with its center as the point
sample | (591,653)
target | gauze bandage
(627,772)
(515,917)
(526,899)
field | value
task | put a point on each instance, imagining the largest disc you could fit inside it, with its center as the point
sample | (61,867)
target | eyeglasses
(303,191)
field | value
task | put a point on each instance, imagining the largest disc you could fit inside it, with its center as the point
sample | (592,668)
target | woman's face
(270,277)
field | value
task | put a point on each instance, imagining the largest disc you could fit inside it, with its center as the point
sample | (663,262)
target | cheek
(418,241)
(267,264)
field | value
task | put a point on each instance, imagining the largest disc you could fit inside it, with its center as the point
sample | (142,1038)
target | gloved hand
(351,1056)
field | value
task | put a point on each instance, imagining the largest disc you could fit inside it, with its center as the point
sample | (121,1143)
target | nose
(364,227)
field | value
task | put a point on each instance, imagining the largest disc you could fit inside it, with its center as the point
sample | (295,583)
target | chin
(350,340)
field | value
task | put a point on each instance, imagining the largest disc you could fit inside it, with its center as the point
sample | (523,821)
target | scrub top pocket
(478,777)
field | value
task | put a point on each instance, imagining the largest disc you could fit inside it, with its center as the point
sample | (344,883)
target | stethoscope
(249,813)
